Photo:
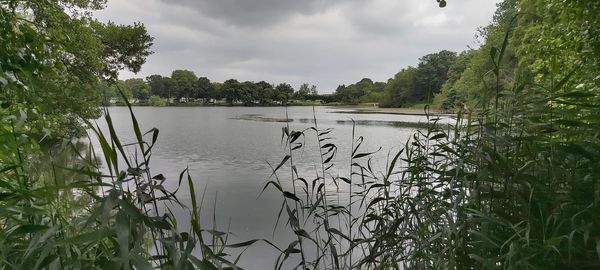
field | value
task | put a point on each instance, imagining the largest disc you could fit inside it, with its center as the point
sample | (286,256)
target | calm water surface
(228,149)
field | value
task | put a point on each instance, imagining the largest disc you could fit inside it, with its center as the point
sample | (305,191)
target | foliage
(419,84)
(305,91)
(449,99)
(283,92)
(364,90)
(398,88)
(52,55)
(185,86)
(156,101)
(161,86)
(184,82)
(59,210)
(512,185)
(138,88)
(469,87)
(123,46)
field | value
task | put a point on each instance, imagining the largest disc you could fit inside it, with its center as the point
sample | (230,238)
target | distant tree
(361,88)
(216,90)
(107,92)
(161,86)
(156,101)
(450,95)
(185,82)
(247,93)
(264,92)
(139,89)
(157,85)
(432,73)
(364,90)
(313,90)
(305,90)
(340,93)
(121,87)
(231,90)
(302,91)
(283,92)
(398,89)
(204,88)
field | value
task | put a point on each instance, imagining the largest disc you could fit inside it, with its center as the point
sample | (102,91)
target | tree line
(185,86)
(410,85)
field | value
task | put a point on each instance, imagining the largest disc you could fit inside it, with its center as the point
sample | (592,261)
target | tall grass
(512,185)
(71,214)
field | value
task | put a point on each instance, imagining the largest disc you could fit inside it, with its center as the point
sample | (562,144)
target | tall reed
(511,185)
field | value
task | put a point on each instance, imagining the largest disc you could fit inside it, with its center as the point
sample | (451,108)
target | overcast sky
(321,42)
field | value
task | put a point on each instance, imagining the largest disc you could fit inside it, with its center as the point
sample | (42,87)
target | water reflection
(61,161)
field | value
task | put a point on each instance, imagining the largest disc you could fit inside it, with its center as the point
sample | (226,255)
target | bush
(157,101)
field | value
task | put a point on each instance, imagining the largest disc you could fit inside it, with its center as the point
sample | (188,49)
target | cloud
(245,13)
(323,42)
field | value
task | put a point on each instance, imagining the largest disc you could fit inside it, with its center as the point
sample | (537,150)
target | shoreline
(394,111)
(350,109)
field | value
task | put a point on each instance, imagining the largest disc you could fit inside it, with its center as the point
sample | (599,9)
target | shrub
(157,101)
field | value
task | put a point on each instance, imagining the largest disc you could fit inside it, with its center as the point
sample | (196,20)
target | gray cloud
(245,13)
(324,42)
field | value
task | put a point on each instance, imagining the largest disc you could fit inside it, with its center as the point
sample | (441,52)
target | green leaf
(30,228)
(291,196)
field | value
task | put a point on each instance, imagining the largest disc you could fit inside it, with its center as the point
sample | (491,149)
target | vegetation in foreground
(513,185)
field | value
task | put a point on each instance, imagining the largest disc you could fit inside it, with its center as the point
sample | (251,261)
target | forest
(514,184)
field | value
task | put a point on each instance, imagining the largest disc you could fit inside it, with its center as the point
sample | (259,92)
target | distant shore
(415,110)
(352,109)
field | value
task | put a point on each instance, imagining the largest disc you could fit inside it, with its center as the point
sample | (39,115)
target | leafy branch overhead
(53,54)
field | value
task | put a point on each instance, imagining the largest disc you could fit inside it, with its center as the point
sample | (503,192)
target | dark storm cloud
(323,42)
(256,12)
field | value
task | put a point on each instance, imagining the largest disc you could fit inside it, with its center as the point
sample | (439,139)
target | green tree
(204,88)
(305,90)
(107,93)
(264,92)
(399,89)
(473,87)
(156,101)
(231,90)
(364,90)
(247,93)
(185,83)
(60,54)
(431,74)
(449,97)
(283,92)
(217,92)
(158,85)
(139,89)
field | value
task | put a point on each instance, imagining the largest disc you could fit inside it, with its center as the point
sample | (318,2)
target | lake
(228,151)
